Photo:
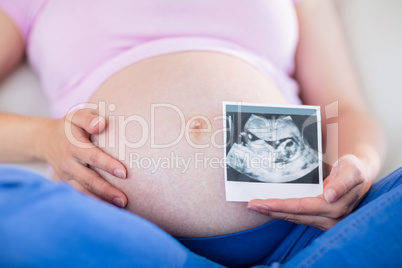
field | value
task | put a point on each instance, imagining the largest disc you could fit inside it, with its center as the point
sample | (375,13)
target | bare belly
(164,124)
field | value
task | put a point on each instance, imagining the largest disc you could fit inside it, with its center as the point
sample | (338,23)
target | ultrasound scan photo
(271,148)
(272,151)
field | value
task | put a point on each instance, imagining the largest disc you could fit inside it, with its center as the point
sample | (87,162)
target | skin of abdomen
(175,104)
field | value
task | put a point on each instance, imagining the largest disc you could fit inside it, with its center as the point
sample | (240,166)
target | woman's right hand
(68,149)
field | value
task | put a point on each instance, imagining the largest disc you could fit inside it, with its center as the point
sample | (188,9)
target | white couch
(374,31)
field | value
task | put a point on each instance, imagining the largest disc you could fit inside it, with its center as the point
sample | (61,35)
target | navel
(198,131)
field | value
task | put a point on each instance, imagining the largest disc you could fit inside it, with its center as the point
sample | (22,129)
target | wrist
(42,138)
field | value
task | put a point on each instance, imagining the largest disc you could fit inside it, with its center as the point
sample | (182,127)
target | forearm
(358,134)
(22,137)
(327,77)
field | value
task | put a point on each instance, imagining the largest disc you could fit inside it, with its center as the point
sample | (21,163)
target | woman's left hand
(344,188)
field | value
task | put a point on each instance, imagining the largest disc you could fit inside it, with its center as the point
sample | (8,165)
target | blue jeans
(369,237)
(47,224)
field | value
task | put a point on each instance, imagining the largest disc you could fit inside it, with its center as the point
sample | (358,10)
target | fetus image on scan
(272,149)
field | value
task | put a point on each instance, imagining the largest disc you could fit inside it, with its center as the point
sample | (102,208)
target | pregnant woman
(157,72)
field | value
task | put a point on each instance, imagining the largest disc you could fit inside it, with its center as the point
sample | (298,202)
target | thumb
(345,175)
(339,185)
(88,120)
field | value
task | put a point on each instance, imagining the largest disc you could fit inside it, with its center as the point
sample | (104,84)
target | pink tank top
(75,45)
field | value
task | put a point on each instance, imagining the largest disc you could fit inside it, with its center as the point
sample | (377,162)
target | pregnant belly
(164,123)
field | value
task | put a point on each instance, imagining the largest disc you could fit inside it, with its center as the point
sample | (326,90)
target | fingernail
(330,195)
(252,208)
(96,121)
(119,173)
(265,207)
(118,202)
